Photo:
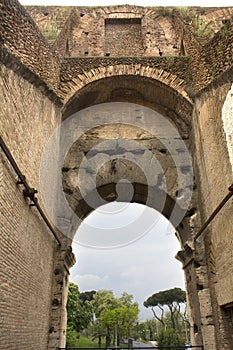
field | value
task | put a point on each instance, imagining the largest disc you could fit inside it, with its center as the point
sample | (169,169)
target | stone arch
(169,79)
(159,90)
(111,149)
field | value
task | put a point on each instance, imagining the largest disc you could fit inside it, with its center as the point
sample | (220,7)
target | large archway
(127,247)
(129,152)
(126,147)
(130,145)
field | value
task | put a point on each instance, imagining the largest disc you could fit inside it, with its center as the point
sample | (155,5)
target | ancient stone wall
(227,117)
(142,32)
(50,19)
(210,60)
(21,38)
(37,75)
(123,37)
(27,246)
(214,176)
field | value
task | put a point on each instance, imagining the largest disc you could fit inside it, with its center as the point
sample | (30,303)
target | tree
(72,337)
(172,298)
(169,337)
(73,307)
(87,296)
(152,327)
(79,313)
(102,300)
(114,316)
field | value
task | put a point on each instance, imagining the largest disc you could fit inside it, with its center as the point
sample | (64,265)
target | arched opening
(126,146)
(127,247)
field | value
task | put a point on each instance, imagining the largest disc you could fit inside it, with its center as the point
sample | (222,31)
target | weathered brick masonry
(56,61)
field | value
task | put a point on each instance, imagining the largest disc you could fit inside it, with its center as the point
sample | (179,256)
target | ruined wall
(214,176)
(209,60)
(34,76)
(27,246)
(21,38)
(123,37)
(140,32)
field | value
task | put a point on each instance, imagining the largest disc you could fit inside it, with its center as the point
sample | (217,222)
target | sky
(207,3)
(140,263)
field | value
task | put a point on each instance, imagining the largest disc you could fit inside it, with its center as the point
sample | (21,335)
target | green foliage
(197,24)
(103,299)
(201,28)
(71,337)
(87,296)
(172,299)
(166,297)
(169,337)
(74,308)
(79,308)
(115,317)
(85,342)
(50,30)
(224,31)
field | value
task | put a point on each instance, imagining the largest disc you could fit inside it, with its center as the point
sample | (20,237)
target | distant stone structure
(174,64)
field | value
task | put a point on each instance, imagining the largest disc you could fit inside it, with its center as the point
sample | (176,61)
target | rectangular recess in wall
(123,37)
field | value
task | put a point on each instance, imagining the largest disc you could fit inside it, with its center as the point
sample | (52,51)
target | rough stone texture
(123,37)
(210,60)
(21,38)
(210,151)
(186,83)
(93,35)
(227,117)
(27,246)
(26,269)
(141,147)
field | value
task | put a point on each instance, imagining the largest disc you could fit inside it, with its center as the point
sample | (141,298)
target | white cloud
(89,281)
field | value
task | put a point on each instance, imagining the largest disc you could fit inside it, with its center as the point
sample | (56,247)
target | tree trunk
(99,341)
(152,334)
(108,339)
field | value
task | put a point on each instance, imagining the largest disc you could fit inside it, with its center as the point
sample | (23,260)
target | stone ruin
(157,77)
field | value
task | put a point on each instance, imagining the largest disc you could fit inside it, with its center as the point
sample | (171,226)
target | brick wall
(27,246)
(21,37)
(117,31)
(123,37)
(207,61)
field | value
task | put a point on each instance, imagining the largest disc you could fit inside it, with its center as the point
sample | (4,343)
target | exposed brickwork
(117,67)
(27,246)
(123,37)
(50,19)
(21,37)
(210,60)
(26,273)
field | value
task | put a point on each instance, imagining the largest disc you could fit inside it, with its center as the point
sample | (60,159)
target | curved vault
(112,149)
(168,99)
